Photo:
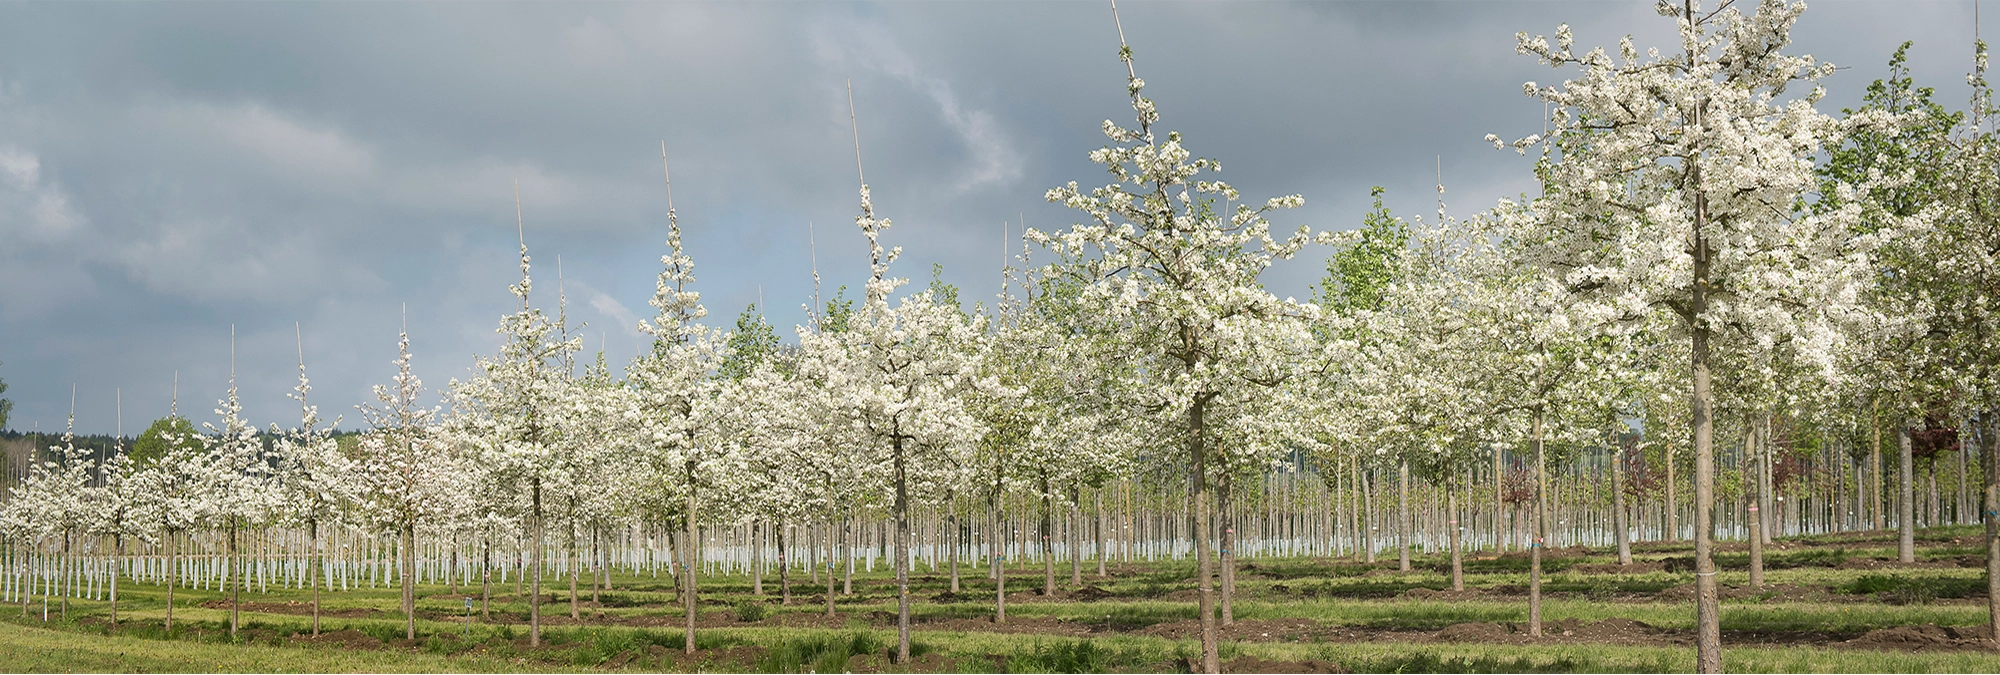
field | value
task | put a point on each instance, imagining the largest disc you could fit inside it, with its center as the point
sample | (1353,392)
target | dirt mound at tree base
(1251,630)
(1614,568)
(1432,594)
(1475,632)
(299,608)
(1929,636)
(1614,631)
(1252,664)
(1882,564)
(350,638)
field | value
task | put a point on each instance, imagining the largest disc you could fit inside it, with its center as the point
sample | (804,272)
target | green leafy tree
(164,436)
(1359,274)
(1919,145)
(838,312)
(753,342)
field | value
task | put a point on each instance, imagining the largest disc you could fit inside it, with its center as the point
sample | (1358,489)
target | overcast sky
(171,170)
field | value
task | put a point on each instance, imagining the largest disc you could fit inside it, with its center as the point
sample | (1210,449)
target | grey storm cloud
(169,171)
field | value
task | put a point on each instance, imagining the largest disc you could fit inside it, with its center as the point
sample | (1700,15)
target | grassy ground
(1126,624)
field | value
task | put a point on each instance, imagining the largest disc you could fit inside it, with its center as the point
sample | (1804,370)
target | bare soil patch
(1027,625)
(1883,564)
(1251,630)
(1252,664)
(1927,637)
(1615,631)
(1615,568)
(298,608)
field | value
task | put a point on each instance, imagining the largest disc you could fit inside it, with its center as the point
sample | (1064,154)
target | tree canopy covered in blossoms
(1712,271)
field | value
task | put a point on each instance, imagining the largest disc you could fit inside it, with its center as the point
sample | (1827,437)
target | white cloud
(278,140)
(869,45)
(32,208)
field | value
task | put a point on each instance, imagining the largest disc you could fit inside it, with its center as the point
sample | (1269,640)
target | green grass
(1328,592)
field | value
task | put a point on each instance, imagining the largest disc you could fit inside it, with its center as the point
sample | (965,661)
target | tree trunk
(784,569)
(1365,482)
(1875,509)
(318,571)
(1499,521)
(902,556)
(234,575)
(757,558)
(1200,520)
(1769,511)
(173,579)
(1227,521)
(1403,516)
(1457,554)
(1673,496)
(957,541)
(1075,539)
(1618,514)
(1754,457)
(1097,507)
(485,578)
(1906,502)
(998,561)
(535,562)
(1708,607)
(689,609)
(832,546)
(1992,517)
(1541,533)
(117,555)
(409,574)
(573,565)
(1048,543)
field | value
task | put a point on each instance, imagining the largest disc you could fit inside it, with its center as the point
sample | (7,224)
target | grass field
(1829,606)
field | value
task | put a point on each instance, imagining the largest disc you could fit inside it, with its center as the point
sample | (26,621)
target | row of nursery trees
(1708,254)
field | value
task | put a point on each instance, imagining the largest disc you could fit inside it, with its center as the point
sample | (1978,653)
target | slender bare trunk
(574,564)
(1708,606)
(1991,514)
(1457,554)
(117,555)
(1875,510)
(1541,534)
(998,560)
(957,540)
(1906,498)
(784,568)
(1754,465)
(902,556)
(832,547)
(1048,543)
(235,577)
(535,562)
(1200,521)
(409,574)
(1075,539)
(1097,498)
(173,579)
(1227,521)
(486,577)
(1403,516)
(319,571)
(689,608)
